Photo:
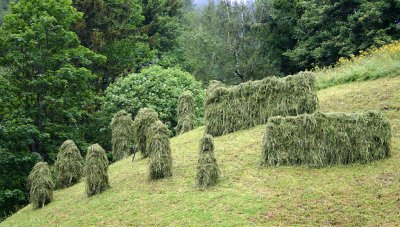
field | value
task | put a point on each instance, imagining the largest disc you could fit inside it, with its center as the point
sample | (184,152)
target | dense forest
(66,66)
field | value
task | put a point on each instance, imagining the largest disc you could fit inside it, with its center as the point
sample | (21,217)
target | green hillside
(247,195)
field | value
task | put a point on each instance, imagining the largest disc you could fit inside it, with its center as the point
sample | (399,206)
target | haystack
(96,168)
(158,146)
(143,120)
(326,139)
(207,167)
(186,113)
(122,135)
(232,108)
(69,165)
(40,185)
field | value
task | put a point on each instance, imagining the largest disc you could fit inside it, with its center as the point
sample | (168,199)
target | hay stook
(96,168)
(122,135)
(69,165)
(40,184)
(186,113)
(326,139)
(207,168)
(158,146)
(143,120)
(232,108)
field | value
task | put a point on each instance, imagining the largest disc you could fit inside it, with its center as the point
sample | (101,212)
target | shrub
(325,139)
(186,113)
(158,146)
(155,88)
(232,108)
(40,185)
(69,165)
(122,135)
(143,120)
(96,168)
(207,167)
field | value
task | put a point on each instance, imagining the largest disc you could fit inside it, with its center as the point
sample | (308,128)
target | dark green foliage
(159,149)
(69,165)
(96,168)
(325,139)
(14,171)
(207,168)
(141,126)
(40,185)
(186,113)
(122,135)
(231,108)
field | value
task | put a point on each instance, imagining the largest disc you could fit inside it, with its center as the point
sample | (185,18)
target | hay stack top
(232,108)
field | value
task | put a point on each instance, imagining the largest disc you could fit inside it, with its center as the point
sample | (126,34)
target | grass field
(356,195)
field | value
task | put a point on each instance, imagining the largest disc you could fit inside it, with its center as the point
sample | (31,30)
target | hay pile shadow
(232,108)
(158,146)
(207,167)
(40,185)
(325,139)
(143,120)
(96,168)
(122,135)
(69,165)
(186,113)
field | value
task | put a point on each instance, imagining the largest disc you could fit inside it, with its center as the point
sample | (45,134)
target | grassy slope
(247,195)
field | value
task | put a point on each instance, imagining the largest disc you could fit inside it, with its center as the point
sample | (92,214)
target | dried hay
(207,167)
(122,135)
(40,185)
(232,108)
(158,146)
(96,168)
(143,120)
(326,139)
(69,165)
(186,113)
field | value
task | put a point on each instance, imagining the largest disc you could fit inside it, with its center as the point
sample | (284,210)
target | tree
(52,90)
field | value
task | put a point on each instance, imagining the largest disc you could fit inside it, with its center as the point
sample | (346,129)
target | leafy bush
(156,88)
(369,65)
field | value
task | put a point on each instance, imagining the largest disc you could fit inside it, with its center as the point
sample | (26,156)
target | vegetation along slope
(247,195)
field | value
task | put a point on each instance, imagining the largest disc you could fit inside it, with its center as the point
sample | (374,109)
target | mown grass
(247,195)
(368,65)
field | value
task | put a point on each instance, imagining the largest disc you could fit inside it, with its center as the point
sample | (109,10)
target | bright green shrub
(325,139)
(155,88)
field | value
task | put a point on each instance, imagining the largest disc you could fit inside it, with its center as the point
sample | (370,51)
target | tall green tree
(52,91)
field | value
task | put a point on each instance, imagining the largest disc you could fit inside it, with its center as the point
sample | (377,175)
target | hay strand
(232,108)
(122,135)
(143,120)
(40,185)
(96,168)
(326,139)
(158,146)
(186,113)
(69,165)
(207,167)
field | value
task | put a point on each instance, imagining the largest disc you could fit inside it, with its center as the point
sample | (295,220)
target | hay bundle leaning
(325,139)
(40,185)
(69,165)
(232,108)
(96,168)
(143,120)
(186,113)
(158,146)
(122,135)
(207,167)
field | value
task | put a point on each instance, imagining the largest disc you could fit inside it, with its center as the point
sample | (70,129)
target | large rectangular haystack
(325,139)
(232,108)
